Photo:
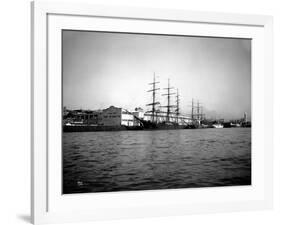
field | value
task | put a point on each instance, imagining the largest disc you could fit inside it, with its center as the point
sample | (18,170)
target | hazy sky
(104,69)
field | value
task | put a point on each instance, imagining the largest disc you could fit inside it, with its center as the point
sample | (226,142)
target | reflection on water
(159,159)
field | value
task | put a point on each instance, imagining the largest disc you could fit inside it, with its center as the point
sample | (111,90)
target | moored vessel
(217,125)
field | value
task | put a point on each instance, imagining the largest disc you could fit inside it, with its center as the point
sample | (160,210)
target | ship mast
(196,111)
(154,103)
(201,114)
(178,105)
(168,106)
(192,110)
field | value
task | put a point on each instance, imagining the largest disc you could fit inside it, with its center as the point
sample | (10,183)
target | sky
(101,69)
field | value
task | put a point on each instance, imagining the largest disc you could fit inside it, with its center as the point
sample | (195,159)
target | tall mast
(178,105)
(198,110)
(168,106)
(154,103)
(192,110)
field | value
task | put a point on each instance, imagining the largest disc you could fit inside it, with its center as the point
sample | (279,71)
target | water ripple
(145,160)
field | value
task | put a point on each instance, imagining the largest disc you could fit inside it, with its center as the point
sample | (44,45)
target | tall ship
(164,116)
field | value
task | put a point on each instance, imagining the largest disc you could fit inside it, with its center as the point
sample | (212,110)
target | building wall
(127,119)
(111,116)
(139,114)
(114,116)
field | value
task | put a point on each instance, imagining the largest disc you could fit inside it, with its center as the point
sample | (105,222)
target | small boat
(217,125)
(235,125)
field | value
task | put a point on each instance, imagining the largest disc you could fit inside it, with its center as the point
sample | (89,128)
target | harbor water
(158,159)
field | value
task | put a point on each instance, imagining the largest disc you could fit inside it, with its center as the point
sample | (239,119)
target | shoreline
(89,128)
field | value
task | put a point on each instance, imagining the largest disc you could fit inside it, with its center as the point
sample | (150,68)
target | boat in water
(148,125)
(217,125)
(235,125)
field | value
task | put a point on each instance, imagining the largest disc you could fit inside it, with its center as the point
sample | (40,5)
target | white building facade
(114,116)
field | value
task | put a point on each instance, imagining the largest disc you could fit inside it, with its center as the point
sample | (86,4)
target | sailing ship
(167,119)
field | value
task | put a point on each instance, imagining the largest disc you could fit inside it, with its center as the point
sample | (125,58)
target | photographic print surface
(150,111)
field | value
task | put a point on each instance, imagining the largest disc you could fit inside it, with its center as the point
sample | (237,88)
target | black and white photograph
(154,111)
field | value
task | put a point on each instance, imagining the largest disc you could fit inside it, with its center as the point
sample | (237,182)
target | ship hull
(148,125)
(90,128)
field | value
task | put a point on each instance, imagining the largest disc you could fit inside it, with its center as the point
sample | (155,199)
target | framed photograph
(141,112)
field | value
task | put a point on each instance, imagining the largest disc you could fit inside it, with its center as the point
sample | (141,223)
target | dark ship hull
(148,125)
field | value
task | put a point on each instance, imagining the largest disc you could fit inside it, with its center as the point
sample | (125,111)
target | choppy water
(162,159)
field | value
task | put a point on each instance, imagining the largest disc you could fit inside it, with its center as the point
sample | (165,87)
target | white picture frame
(49,206)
